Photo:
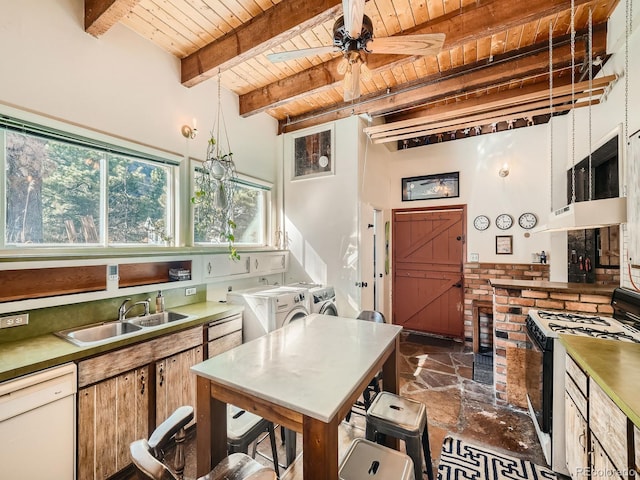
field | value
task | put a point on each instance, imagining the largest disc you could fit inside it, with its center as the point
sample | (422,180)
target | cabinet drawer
(119,361)
(609,424)
(222,344)
(579,377)
(576,395)
(225,327)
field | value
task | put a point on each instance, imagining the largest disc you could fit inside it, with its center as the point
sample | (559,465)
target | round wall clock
(504,221)
(481,222)
(527,220)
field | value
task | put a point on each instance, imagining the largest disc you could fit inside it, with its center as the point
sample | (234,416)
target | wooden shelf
(150,273)
(49,282)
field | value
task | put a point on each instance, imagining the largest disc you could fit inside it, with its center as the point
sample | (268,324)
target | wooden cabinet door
(428,254)
(576,441)
(601,465)
(111,414)
(175,384)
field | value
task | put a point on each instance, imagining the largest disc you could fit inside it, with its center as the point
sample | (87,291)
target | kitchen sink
(105,332)
(155,319)
(98,333)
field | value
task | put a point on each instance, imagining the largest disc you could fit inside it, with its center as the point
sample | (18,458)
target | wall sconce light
(189,132)
(504,171)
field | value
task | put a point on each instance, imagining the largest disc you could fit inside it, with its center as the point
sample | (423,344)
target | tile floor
(439,373)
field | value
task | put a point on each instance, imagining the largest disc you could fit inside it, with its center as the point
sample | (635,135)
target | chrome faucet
(123,310)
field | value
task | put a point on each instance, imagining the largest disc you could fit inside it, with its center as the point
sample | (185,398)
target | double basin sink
(108,331)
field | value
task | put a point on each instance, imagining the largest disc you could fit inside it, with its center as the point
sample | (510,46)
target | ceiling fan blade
(353,11)
(351,83)
(422,44)
(305,52)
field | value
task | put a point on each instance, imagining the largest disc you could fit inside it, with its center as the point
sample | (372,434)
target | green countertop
(614,365)
(30,355)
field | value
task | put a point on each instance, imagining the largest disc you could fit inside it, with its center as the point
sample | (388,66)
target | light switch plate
(474,257)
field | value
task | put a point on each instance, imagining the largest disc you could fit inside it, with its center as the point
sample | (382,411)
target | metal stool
(244,428)
(148,456)
(366,460)
(406,420)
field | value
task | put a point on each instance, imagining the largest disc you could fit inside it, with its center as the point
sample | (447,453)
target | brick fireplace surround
(513,289)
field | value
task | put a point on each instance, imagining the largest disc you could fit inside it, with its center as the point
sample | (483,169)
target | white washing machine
(269,308)
(322,298)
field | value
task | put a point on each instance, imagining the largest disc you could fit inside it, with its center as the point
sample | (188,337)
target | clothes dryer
(269,309)
(322,298)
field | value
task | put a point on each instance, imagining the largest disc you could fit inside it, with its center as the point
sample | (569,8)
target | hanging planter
(214,189)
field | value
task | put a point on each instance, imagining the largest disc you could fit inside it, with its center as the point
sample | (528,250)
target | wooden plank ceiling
(495,53)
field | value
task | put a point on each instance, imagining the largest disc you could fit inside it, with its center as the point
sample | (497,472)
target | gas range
(546,325)
(545,362)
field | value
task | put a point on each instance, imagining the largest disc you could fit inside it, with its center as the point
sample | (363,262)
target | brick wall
(510,309)
(477,287)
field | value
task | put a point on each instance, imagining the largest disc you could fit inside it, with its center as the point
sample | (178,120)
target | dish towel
(460,460)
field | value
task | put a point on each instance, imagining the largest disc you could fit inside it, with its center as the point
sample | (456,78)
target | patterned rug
(460,460)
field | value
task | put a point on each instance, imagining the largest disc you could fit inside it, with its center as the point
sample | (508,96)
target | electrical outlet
(14,320)
(474,257)
(189,291)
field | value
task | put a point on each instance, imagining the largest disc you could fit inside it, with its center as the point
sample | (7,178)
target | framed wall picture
(313,154)
(429,187)
(504,244)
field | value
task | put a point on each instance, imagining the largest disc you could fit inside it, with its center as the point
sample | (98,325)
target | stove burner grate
(573,317)
(591,332)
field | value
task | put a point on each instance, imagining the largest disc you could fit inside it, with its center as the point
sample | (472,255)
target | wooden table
(305,376)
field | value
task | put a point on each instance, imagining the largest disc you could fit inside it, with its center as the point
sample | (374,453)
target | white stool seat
(366,460)
(244,428)
(406,420)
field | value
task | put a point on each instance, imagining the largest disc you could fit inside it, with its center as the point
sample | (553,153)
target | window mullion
(104,200)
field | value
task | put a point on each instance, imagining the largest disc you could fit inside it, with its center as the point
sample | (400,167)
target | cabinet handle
(580,437)
(256,263)
(161,375)
(248,266)
(142,384)
(282,262)
(209,267)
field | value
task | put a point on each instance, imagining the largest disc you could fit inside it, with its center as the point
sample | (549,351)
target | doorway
(428,257)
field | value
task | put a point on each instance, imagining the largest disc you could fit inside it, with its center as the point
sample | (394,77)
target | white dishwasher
(37,425)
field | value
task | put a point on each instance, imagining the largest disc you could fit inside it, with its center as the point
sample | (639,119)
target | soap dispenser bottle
(159,302)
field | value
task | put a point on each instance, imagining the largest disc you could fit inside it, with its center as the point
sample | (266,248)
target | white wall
(119,84)
(321,218)
(478,160)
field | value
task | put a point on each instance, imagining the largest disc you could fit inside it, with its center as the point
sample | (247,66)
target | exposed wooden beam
(436,87)
(479,20)
(482,116)
(490,103)
(269,29)
(101,15)
(485,120)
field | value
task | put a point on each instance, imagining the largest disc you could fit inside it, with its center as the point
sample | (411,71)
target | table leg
(390,370)
(390,384)
(211,430)
(320,449)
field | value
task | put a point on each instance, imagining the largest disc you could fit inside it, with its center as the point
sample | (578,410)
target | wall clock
(527,220)
(481,222)
(504,221)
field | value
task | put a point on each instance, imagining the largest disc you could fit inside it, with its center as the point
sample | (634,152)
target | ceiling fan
(353,36)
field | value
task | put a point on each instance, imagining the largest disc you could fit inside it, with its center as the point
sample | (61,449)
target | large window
(251,213)
(61,190)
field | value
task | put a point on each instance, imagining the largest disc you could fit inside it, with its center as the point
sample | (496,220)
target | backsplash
(52,319)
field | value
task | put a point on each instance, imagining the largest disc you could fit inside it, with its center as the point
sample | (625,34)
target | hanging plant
(214,189)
